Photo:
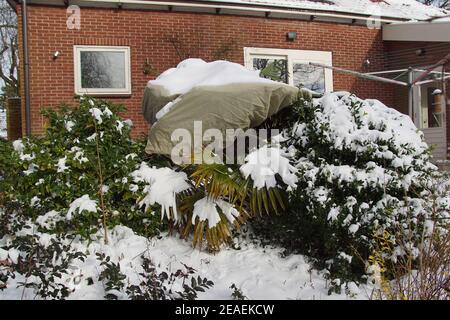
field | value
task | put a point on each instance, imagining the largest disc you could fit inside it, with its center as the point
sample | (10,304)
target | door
(429,116)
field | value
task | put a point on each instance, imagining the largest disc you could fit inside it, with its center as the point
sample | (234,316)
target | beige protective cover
(155,98)
(232,106)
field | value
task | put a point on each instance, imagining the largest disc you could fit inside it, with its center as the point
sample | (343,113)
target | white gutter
(217,8)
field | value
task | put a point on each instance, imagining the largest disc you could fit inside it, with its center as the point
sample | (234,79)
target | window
(102,70)
(309,77)
(292,67)
(275,69)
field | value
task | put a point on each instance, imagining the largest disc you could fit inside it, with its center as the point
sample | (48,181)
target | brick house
(138,39)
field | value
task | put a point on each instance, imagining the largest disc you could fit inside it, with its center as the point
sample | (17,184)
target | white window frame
(293,56)
(101,91)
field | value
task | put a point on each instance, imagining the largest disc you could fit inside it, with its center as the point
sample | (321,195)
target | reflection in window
(274,69)
(309,77)
(102,69)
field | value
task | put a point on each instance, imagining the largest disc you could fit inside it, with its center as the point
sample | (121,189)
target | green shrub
(86,173)
(85,153)
(362,169)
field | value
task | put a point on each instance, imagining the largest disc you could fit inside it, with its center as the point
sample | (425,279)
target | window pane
(275,69)
(309,77)
(102,69)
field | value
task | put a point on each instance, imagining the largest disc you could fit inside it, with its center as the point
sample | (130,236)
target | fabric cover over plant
(222,95)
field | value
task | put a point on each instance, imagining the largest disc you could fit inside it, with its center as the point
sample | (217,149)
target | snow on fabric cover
(162,94)
(223,108)
(221,95)
(192,73)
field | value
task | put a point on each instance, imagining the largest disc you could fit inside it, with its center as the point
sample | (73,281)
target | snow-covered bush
(36,264)
(86,173)
(76,176)
(351,169)
(363,169)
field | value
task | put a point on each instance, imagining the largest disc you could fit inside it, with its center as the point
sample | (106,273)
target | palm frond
(265,200)
(222,182)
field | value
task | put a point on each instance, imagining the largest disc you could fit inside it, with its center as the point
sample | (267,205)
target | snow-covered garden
(342,205)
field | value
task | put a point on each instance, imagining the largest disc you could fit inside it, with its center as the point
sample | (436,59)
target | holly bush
(85,152)
(363,170)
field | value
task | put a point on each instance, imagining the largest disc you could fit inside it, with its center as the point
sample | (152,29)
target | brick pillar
(14,119)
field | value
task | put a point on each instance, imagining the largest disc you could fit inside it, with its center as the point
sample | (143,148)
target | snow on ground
(2,123)
(261,273)
(406,9)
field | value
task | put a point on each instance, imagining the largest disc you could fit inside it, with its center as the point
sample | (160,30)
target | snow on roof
(443,19)
(404,9)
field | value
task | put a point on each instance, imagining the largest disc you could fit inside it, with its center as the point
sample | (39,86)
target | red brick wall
(402,54)
(199,35)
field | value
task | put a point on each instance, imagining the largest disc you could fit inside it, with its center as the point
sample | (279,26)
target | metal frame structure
(411,83)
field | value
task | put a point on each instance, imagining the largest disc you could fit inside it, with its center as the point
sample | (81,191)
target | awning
(436,31)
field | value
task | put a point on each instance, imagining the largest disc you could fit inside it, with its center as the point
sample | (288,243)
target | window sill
(105,95)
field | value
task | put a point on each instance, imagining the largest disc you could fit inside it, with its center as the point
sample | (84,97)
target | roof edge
(286,6)
(218,7)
